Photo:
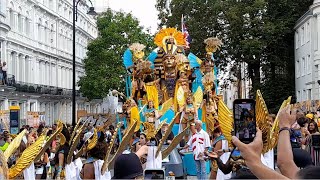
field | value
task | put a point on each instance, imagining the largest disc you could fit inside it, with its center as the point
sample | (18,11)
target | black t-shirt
(159,136)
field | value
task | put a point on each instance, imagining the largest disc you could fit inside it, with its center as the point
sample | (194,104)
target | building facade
(307,54)
(36,43)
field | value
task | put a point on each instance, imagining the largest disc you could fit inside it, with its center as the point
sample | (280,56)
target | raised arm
(285,156)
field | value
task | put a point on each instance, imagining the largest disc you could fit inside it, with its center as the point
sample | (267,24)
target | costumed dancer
(140,69)
(62,152)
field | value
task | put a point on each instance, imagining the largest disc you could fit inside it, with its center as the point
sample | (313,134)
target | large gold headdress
(169,39)
(212,44)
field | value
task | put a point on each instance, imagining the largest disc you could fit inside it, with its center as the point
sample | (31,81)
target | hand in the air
(251,153)
(287,117)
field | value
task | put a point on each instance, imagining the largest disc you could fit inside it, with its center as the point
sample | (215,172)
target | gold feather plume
(113,139)
(167,33)
(74,144)
(275,127)
(165,136)
(13,146)
(27,157)
(3,166)
(261,120)
(48,143)
(176,140)
(166,106)
(125,141)
(225,119)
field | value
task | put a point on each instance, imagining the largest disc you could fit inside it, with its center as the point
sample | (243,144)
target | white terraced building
(36,43)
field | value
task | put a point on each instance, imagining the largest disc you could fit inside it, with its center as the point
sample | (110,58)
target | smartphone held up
(244,119)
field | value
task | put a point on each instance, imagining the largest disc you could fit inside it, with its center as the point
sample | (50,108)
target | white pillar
(17,67)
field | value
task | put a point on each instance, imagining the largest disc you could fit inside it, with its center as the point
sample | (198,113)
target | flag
(185,32)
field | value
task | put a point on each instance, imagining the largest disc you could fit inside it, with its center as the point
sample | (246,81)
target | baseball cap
(127,166)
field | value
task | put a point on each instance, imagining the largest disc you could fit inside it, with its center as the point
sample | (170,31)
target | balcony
(39,89)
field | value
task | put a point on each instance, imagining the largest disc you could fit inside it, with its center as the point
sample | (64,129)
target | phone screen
(244,119)
(154,174)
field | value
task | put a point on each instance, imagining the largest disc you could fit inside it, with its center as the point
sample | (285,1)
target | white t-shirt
(4,68)
(199,141)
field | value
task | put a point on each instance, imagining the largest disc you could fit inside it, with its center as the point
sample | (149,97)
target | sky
(144,10)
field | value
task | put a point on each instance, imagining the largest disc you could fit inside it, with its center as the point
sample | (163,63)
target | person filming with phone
(200,143)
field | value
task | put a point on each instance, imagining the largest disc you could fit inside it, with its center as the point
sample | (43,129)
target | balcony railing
(38,88)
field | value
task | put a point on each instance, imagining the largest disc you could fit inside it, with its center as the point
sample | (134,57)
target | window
(27,28)
(304,95)
(298,96)
(303,68)
(298,68)
(296,39)
(302,36)
(309,67)
(11,18)
(308,35)
(20,22)
(309,94)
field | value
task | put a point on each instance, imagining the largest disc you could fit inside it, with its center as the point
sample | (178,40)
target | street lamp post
(75,18)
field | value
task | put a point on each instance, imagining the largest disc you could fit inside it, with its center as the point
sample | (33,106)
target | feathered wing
(166,106)
(93,142)
(112,141)
(13,146)
(165,136)
(152,56)
(125,141)
(176,140)
(198,97)
(225,120)
(135,117)
(274,133)
(195,62)
(127,59)
(48,143)
(73,145)
(261,119)
(4,165)
(181,97)
(152,93)
(27,157)
(197,81)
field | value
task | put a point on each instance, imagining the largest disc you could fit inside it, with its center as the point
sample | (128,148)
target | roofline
(303,18)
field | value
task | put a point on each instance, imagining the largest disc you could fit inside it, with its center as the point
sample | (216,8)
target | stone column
(17,67)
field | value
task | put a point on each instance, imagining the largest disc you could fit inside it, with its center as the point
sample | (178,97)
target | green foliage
(257,32)
(103,65)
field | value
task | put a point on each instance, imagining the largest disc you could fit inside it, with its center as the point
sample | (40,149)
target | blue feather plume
(193,60)
(127,58)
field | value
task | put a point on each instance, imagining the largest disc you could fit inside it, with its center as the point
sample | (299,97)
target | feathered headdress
(183,62)
(137,47)
(168,39)
(212,44)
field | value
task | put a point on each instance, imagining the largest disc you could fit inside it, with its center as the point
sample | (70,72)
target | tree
(257,32)
(103,65)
